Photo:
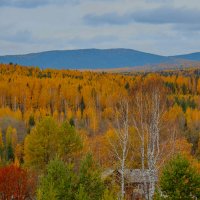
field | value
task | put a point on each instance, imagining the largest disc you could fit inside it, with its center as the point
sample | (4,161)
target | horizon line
(79,49)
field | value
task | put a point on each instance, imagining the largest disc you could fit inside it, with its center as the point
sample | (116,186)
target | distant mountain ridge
(191,56)
(94,59)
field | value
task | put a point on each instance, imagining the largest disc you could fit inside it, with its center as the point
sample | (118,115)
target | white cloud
(33,3)
(60,25)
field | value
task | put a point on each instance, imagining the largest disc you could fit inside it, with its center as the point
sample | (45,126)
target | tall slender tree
(120,145)
(148,111)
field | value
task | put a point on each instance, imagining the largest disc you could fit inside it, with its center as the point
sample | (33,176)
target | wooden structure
(134,181)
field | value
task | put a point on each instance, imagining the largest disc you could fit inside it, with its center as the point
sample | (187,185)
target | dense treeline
(86,99)
(71,121)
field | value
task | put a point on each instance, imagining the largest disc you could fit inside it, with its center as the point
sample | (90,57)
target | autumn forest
(85,135)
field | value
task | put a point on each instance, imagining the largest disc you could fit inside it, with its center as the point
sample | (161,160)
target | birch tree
(148,109)
(120,142)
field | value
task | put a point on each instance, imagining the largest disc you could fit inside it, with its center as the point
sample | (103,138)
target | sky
(164,27)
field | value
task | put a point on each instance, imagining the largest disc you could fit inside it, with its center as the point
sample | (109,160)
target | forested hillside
(87,59)
(83,126)
(94,59)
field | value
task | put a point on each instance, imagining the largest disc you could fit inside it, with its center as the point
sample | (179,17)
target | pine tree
(90,180)
(81,194)
(179,180)
(9,147)
(82,106)
(58,182)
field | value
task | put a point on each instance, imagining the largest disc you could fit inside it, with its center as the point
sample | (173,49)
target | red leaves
(15,183)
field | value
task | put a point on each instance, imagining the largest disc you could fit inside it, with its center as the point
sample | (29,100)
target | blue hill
(87,59)
(191,56)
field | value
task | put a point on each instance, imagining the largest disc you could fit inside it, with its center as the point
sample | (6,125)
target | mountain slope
(191,56)
(87,59)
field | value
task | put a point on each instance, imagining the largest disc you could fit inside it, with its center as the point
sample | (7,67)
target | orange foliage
(15,183)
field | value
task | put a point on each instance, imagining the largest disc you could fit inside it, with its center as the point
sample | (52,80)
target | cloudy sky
(165,27)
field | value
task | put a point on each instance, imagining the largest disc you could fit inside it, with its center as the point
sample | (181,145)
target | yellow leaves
(9,135)
(40,113)
(78,114)
(94,123)
(198,86)
(16,162)
(69,114)
(27,115)
(193,118)
(49,139)
(19,152)
(58,93)
(29,147)
(100,149)
(56,115)
(169,79)
(62,117)
(86,143)
(112,143)
(182,80)
(175,113)
(111,135)
(151,77)
(18,115)
(91,113)
(184,148)
(37,115)
(108,113)
(52,92)
(8,112)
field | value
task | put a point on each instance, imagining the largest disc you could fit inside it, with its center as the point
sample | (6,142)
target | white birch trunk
(147,125)
(121,148)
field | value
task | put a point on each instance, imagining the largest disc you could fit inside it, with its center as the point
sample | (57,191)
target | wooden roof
(131,175)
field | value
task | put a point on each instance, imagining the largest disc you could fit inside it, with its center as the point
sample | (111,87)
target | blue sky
(165,27)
